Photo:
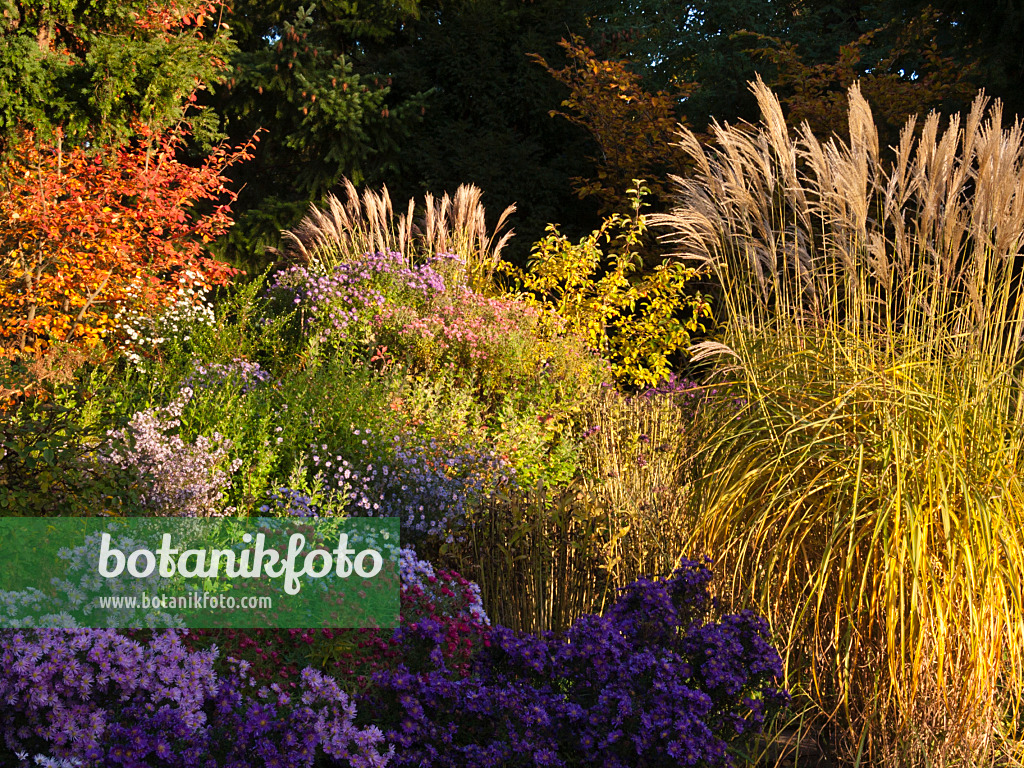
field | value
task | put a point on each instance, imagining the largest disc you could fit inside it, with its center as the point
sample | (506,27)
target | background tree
(99,207)
(95,69)
(908,73)
(301,73)
(486,112)
(914,56)
(635,131)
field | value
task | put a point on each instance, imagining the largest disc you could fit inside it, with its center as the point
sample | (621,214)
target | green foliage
(273,425)
(99,70)
(298,73)
(47,430)
(637,323)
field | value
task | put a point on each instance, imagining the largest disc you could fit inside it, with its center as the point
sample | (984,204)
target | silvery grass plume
(340,231)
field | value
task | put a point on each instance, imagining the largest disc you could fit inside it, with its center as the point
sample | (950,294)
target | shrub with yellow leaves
(636,319)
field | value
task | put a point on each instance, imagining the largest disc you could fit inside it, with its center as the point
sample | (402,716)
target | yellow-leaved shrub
(636,319)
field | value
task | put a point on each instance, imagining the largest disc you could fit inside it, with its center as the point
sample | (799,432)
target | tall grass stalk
(539,556)
(868,498)
(363,224)
(636,462)
(545,556)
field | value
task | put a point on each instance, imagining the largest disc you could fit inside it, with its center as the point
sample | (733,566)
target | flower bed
(651,682)
(375,387)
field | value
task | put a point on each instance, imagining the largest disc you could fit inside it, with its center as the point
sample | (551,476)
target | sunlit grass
(868,496)
(455,224)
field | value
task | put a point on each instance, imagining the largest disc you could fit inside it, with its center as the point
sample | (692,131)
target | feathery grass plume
(341,231)
(868,498)
(457,225)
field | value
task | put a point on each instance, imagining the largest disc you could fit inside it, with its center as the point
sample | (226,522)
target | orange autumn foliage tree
(635,131)
(84,235)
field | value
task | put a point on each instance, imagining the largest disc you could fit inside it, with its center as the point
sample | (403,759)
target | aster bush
(430,486)
(138,334)
(181,478)
(238,374)
(337,304)
(501,348)
(440,611)
(653,682)
(101,698)
(423,318)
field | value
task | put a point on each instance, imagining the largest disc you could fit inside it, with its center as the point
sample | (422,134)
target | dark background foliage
(426,94)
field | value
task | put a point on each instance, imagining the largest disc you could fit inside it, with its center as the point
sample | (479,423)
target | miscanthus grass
(868,498)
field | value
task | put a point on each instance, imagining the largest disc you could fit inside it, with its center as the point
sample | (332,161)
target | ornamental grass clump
(548,550)
(341,231)
(868,496)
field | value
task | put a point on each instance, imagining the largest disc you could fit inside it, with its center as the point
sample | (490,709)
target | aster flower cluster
(101,698)
(75,594)
(674,385)
(355,290)
(495,346)
(239,373)
(439,610)
(690,395)
(457,597)
(477,335)
(71,692)
(649,683)
(429,486)
(462,332)
(442,613)
(140,332)
(182,479)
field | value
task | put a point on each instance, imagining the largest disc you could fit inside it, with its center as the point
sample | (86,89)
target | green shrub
(48,429)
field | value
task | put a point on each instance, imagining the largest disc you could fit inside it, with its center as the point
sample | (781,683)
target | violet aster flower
(652,682)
